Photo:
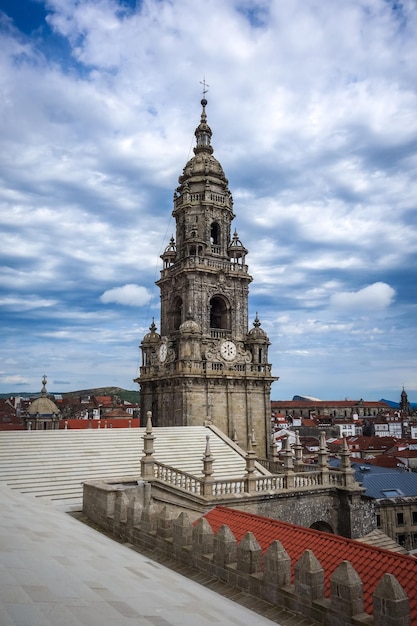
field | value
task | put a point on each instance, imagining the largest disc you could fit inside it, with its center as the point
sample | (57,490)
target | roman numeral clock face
(162,352)
(228,350)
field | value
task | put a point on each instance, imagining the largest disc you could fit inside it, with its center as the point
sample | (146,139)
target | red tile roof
(370,562)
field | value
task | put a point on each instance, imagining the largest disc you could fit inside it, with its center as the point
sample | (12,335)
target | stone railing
(200,367)
(177,478)
(253,484)
(131,518)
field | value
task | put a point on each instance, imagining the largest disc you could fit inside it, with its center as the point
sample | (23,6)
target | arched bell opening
(215,237)
(176,313)
(219,313)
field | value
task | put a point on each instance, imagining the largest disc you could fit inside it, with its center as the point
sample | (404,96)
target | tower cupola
(203,132)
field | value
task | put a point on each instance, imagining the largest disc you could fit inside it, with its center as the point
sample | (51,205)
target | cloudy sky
(313,108)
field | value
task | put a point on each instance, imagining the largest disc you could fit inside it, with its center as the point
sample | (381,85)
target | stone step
(52,465)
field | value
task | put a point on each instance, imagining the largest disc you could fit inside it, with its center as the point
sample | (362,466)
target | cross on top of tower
(205,86)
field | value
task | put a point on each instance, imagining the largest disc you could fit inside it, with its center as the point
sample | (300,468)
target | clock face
(228,350)
(163,352)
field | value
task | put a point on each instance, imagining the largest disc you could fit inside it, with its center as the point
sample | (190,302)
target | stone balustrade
(129,515)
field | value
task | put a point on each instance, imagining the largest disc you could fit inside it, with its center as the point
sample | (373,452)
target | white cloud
(14,380)
(374,297)
(128,295)
(26,303)
(313,107)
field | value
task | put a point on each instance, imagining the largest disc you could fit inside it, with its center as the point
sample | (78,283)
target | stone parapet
(241,564)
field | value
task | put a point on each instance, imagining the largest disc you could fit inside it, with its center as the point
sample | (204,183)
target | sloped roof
(371,563)
(373,443)
(378,485)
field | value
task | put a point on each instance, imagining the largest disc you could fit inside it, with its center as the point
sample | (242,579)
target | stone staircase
(52,465)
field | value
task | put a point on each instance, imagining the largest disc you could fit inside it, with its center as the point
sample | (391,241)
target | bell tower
(205,365)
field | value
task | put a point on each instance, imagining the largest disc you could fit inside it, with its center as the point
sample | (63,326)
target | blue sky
(313,108)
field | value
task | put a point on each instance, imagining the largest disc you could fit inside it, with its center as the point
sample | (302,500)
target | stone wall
(127,511)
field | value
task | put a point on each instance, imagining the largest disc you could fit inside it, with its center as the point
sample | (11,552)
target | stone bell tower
(205,365)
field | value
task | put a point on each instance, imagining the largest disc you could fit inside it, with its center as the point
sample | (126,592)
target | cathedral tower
(205,365)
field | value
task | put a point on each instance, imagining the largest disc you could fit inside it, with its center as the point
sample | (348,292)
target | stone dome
(203,168)
(257,333)
(43,406)
(189,327)
(152,337)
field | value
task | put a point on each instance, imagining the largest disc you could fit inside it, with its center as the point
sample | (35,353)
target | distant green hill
(129,396)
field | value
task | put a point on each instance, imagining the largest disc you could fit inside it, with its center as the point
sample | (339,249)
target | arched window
(176,313)
(219,313)
(323,526)
(215,234)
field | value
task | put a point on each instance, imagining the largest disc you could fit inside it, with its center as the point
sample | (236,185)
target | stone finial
(250,466)
(346,590)
(323,452)
(164,523)
(287,454)
(309,577)
(147,461)
(207,469)
(298,450)
(225,547)
(345,464)
(277,565)
(149,422)
(391,604)
(149,518)
(249,555)
(203,537)
(182,530)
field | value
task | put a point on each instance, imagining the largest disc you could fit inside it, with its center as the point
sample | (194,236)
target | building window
(378,520)
(400,519)
(392,493)
(414,514)
(401,539)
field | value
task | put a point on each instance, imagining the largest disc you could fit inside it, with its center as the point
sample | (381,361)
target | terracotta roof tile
(370,562)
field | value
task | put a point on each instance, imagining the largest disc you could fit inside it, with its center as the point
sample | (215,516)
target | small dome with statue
(203,165)
(42,413)
(43,406)
(152,337)
(257,333)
